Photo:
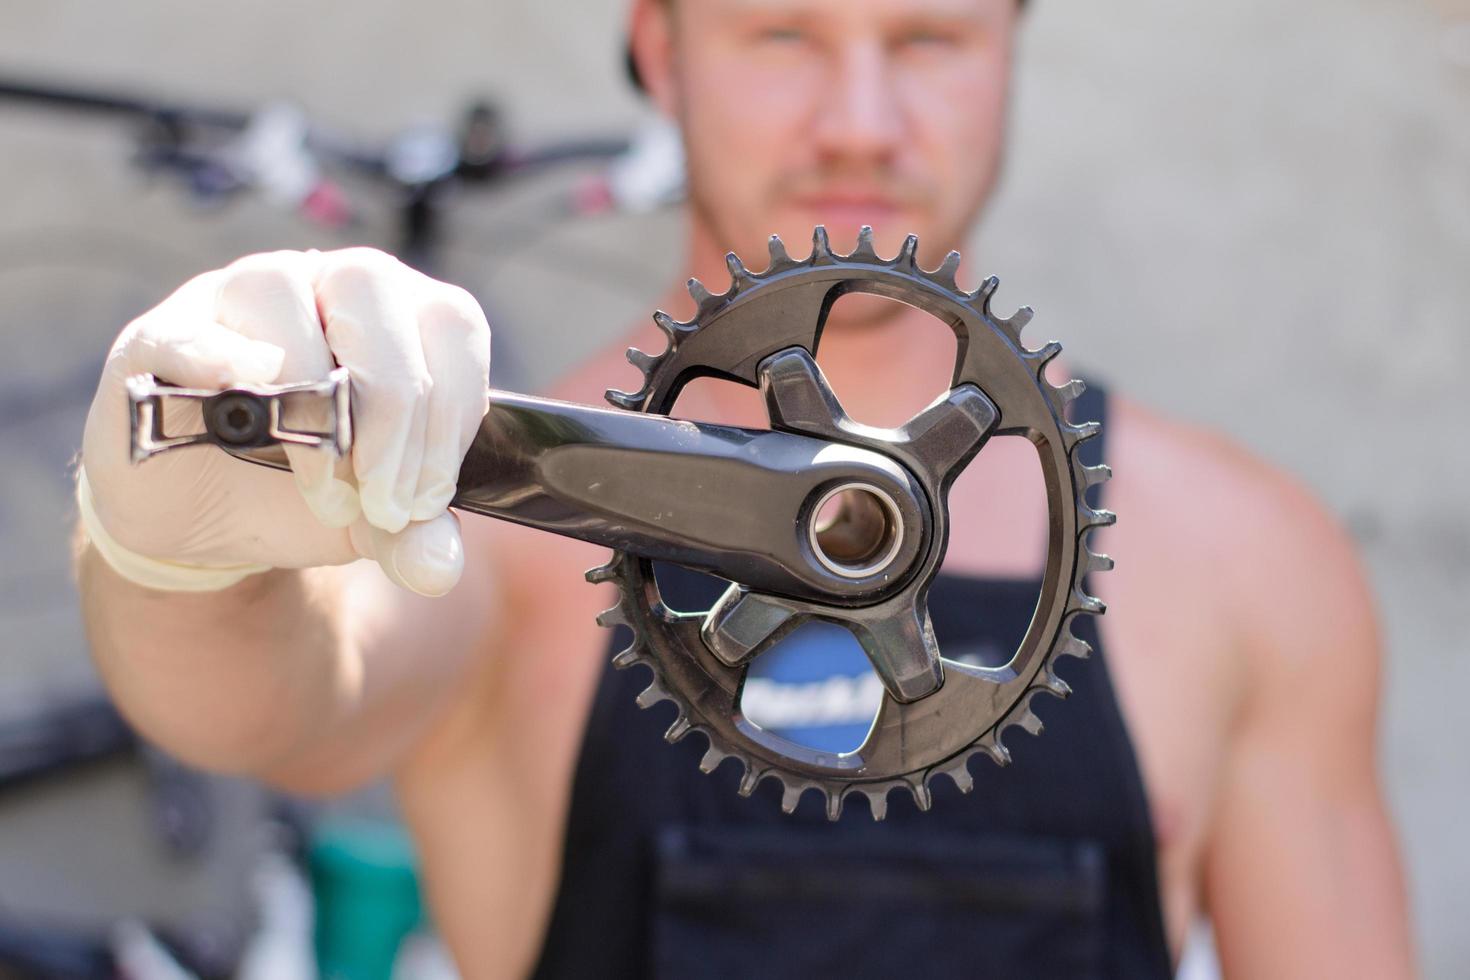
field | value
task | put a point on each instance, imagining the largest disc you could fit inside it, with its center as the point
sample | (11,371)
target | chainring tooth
(959,773)
(993,748)
(740,277)
(628,573)
(1069,392)
(907,259)
(945,275)
(671,328)
(610,618)
(821,248)
(1041,356)
(1017,321)
(985,292)
(1090,604)
(1096,475)
(1069,645)
(712,757)
(780,261)
(630,401)
(642,360)
(877,802)
(700,293)
(1055,685)
(678,729)
(1089,518)
(1078,434)
(835,801)
(602,573)
(652,695)
(749,779)
(865,251)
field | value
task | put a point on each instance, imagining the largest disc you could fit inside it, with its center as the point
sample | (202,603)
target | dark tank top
(1046,869)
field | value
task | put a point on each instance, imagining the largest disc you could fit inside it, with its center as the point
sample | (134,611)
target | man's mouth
(845,202)
(843,217)
(844,210)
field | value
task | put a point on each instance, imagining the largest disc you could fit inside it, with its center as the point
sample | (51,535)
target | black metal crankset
(819,518)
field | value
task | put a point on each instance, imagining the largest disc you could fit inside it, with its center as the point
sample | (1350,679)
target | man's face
(837,112)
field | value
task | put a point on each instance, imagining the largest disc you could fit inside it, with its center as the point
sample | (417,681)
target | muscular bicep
(1301,871)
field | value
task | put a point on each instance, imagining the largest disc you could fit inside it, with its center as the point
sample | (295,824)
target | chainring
(731,336)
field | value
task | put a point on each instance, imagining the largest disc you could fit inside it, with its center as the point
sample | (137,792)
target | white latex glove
(419,355)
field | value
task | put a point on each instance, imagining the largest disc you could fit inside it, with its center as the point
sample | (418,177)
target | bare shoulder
(1280,570)
(1169,455)
(1261,736)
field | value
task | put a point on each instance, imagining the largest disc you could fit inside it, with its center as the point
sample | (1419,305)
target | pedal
(237,420)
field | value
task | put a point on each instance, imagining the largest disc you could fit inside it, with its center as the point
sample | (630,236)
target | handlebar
(277,150)
(483,151)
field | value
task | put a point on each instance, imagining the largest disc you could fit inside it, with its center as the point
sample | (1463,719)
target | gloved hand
(419,355)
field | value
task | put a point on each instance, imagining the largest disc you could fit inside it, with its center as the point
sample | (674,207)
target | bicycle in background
(274,157)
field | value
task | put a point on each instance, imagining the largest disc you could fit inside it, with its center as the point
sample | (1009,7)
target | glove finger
(208,355)
(270,297)
(367,304)
(426,557)
(413,456)
(456,343)
(180,343)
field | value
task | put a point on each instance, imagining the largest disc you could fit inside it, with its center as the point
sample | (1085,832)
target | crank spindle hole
(855,530)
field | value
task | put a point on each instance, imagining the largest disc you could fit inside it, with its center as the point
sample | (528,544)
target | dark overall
(1045,870)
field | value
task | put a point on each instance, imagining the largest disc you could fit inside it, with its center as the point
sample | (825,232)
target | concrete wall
(1272,196)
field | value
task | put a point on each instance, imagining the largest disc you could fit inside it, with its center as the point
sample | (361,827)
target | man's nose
(860,117)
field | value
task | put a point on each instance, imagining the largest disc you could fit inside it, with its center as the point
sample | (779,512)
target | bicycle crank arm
(752,506)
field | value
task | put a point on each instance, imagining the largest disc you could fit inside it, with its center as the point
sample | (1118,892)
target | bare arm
(316,680)
(316,673)
(1302,875)
(488,785)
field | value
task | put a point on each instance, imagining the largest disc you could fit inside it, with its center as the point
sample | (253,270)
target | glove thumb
(427,557)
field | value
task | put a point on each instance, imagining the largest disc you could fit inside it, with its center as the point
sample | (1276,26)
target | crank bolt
(238,419)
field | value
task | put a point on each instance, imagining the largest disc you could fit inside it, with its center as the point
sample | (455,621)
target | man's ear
(651,46)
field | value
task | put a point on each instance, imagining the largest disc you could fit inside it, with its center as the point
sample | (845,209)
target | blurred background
(1278,191)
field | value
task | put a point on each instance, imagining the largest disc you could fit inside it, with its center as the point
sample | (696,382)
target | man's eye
(926,38)
(783,35)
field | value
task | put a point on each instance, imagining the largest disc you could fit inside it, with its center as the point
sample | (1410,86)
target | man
(556,832)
